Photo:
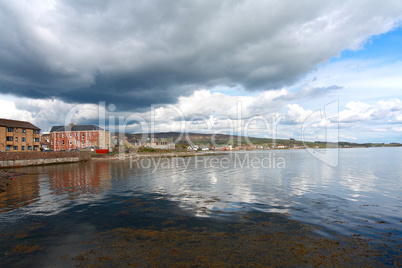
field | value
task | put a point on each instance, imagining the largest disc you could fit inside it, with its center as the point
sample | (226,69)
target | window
(62,142)
(71,134)
(23,139)
(29,147)
(16,138)
(36,131)
(62,135)
(52,142)
(22,148)
(71,143)
(9,138)
(35,148)
(16,130)
(83,136)
(15,148)
(57,135)
(36,140)
(24,130)
(82,145)
(8,148)
(10,129)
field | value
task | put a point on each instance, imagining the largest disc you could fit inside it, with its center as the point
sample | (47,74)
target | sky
(311,70)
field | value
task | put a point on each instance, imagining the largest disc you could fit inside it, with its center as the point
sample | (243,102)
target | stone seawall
(19,159)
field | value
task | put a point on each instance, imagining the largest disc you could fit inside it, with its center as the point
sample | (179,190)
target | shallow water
(46,215)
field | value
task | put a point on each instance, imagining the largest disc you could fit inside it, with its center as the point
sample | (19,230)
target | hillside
(223,139)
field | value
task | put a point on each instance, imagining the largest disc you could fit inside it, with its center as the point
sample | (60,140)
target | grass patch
(152,150)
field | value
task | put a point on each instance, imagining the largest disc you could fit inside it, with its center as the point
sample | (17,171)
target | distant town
(21,136)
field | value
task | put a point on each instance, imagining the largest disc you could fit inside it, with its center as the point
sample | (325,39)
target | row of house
(156,143)
(19,136)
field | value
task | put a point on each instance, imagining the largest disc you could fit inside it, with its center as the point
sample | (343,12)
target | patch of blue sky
(387,47)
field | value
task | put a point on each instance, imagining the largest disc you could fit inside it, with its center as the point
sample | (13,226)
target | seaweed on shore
(6,177)
(249,243)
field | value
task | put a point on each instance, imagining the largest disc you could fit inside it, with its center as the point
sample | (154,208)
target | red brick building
(78,136)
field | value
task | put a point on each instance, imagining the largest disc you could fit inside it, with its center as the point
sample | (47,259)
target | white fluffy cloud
(8,110)
(208,112)
(385,111)
(46,113)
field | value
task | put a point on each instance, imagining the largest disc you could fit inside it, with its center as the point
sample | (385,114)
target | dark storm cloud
(135,53)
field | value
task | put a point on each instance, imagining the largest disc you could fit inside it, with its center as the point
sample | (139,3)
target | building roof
(17,124)
(75,128)
(44,143)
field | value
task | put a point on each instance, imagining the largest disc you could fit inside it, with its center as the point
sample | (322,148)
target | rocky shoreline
(6,177)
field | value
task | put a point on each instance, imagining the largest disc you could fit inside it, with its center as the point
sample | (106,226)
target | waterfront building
(157,143)
(45,142)
(162,143)
(73,137)
(18,136)
(45,137)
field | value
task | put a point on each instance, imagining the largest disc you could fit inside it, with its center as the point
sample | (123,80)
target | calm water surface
(58,207)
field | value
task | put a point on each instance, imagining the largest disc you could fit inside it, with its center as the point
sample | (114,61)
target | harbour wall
(20,159)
